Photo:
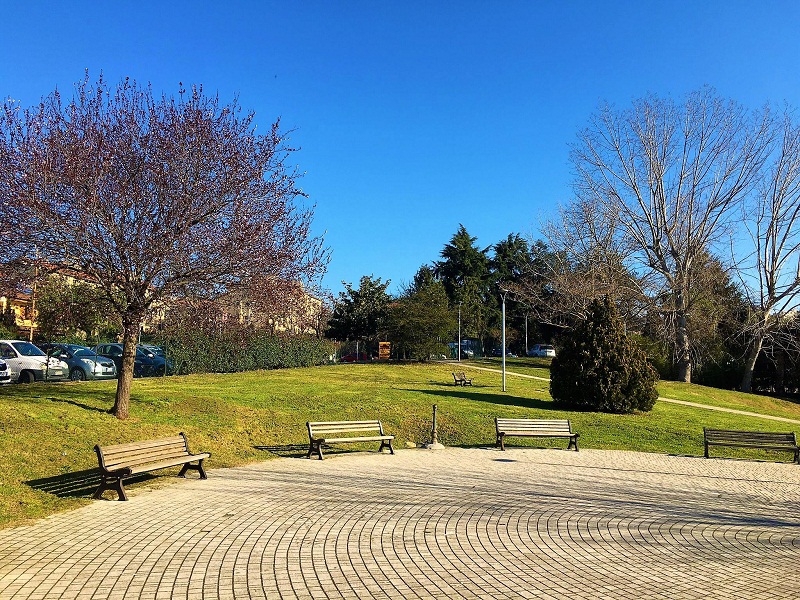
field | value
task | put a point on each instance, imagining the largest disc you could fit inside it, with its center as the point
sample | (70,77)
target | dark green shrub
(599,367)
(234,348)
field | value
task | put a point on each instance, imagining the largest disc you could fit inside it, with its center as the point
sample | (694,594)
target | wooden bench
(461,379)
(125,460)
(751,439)
(336,432)
(534,428)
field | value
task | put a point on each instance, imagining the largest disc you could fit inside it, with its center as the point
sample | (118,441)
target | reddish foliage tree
(153,198)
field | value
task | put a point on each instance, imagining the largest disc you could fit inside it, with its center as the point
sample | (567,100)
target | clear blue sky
(415,116)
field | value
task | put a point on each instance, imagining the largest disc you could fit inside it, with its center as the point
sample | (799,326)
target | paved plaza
(458,523)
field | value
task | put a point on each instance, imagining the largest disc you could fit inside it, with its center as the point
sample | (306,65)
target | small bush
(599,367)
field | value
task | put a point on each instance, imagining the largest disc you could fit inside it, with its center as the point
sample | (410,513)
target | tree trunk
(750,363)
(123,397)
(780,372)
(682,342)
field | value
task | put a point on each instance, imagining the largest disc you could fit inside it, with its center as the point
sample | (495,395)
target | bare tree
(583,261)
(672,175)
(771,275)
(153,198)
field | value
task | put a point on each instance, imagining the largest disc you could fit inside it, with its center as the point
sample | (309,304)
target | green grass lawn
(47,431)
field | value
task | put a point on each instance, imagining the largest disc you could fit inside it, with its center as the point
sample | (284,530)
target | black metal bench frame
(550,428)
(121,461)
(330,432)
(760,440)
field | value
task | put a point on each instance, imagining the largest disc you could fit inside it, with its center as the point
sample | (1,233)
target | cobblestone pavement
(458,523)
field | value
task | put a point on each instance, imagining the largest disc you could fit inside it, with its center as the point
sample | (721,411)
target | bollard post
(434,445)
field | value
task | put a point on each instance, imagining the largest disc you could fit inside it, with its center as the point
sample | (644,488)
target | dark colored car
(142,364)
(353,357)
(160,365)
(83,362)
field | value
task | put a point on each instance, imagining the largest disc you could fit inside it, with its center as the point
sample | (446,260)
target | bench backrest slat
(339,427)
(139,453)
(533,425)
(728,435)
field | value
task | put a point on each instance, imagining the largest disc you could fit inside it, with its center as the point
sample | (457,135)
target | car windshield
(81,351)
(27,349)
(546,347)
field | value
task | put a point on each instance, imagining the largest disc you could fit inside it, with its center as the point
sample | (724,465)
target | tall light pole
(503,293)
(458,350)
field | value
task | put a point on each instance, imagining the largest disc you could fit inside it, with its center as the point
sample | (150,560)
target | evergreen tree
(360,314)
(421,323)
(600,368)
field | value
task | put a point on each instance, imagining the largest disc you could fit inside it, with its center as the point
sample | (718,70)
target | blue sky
(413,117)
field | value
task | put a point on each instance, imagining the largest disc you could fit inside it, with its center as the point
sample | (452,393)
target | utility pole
(503,293)
(458,350)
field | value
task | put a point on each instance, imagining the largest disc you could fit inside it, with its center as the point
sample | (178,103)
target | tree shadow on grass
(78,484)
(500,398)
(80,405)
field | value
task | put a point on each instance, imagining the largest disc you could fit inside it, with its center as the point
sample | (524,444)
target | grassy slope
(49,430)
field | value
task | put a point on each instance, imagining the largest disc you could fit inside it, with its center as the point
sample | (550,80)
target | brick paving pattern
(459,523)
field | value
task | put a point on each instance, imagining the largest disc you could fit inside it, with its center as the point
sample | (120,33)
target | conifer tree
(600,368)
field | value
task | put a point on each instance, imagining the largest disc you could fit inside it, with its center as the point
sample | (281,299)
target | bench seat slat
(166,463)
(375,438)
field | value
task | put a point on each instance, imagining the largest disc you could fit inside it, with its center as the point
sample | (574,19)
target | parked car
(142,365)
(28,363)
(542,350)
(353,357)
(82,362)
(157,350)
(499,352)
(160,365)
(5,372)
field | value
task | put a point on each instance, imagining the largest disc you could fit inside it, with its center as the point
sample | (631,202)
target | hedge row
(229,352)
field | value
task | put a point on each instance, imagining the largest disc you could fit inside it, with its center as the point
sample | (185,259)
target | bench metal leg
(500,441)
(385,444)
(319,449)
(105,485)
(198,467)
(573,443)
(705,451)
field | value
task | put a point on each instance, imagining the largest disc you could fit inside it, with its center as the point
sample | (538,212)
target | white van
(28,363)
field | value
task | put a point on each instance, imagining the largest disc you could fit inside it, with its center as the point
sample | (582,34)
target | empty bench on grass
(338,432)
(461,379)
(751,439)
(534,428)
(125,460)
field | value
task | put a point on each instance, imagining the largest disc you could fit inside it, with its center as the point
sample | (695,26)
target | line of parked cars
(24,362)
